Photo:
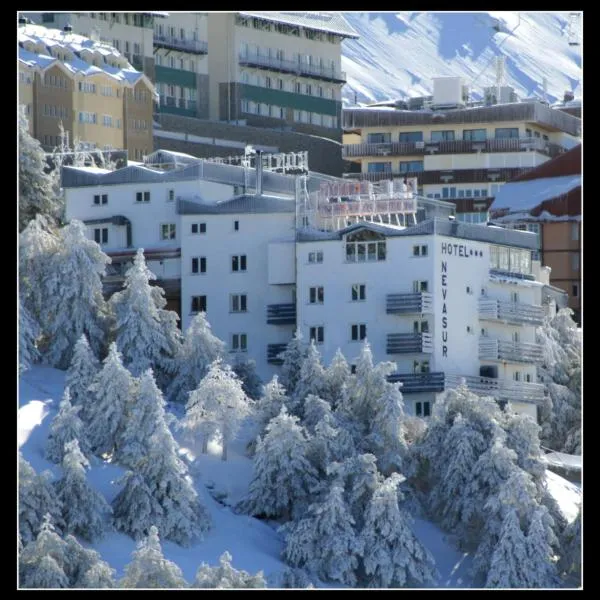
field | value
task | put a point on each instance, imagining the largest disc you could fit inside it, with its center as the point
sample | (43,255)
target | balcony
(452,147)
(190,46)
(420,303)
(505,390)
(281,314)
(289,66)
(511,312)
(178,106)
(273,351)
(419,382)
(520,352)
(409,343)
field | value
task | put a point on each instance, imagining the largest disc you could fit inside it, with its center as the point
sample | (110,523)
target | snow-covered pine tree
(541,571)
(225,576)
(462,446)
(36,187)
(85,511)
(570,559)
(269,404)
(84,567)
(42,560)
(291,579)
(145,333)
(65,427)
(311,379)
(150,569)
(293,357)
(283,476)
(218,403)
(75,304)
(29,332)
(508,562)
(36,499)
(337,375)
(393,556)
(111,390)
(199,349)
(143,415)
(245,370)
(161,493)
(324,541)
(560,371)
(80,375)
(315,410)
(38,243)
(386,435)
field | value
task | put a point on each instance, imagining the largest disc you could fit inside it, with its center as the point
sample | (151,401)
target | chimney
(568,96)
(259,173)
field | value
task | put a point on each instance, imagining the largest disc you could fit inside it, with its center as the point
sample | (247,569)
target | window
(167,231)
(198,304)
(528,133)
(297,88)
(420,286)
(379,138)
(420,366)
(528,377)
(236,225)
(317,334)
(503,133)
(316,295)
(359,292)
(358,332)
(238,303)
(514,296)
(411,136)
(575,290)
(475,135)
(517,376)
(198,227)
(101,235)
(379,167)
(107,121)
(442,136)
(575,232)
(100,199)
(268,82)
(315,257)
(420,250)
(421,326)
(575,261)
(199,264)
(353,369)
(469,330)
(309,89)
(365,246)
(515,337)
(238,263)
(423,409)
(142,196)
(170,195)
(469,290)
(410,166)
(239,342)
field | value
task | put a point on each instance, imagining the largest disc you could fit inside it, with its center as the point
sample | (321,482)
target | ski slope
(397,54)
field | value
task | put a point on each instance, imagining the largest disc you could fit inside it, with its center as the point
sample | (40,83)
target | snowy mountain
(397,54)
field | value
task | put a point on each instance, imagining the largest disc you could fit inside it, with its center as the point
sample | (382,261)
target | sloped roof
(238,204)
(331,22)
(568,163)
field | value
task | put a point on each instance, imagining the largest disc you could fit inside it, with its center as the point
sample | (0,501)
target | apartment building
(272,79)
(87,87)
(256,250)
(548,201)
(458,153)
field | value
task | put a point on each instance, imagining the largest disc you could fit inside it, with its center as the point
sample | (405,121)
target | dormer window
(365,246)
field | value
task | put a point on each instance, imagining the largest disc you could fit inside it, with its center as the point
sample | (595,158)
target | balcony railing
(192,46)
(419,382)
(281,314)
(506,390)
(522,352)
(289,66)
(510,312)
(419,303)
(383,149)
(409,343)
(273,352)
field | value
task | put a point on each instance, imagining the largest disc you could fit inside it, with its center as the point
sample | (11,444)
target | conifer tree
(570,560)
(225,576)
(29,332)
(311,379)
(80,375)
(269,404)
(293,357)
(337,375)
(542,571)
(245,370)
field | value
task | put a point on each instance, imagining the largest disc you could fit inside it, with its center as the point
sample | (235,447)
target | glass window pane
(361,252)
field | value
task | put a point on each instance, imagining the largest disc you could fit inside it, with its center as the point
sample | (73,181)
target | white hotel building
(263,253)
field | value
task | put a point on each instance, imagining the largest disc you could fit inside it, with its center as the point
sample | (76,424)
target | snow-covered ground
(253,544)
(398,53)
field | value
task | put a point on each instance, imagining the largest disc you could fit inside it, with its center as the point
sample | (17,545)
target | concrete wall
(325,156)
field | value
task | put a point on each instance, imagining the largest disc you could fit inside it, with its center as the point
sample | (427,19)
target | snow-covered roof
(331,22)
(521,196)
(246,203)
(76,45)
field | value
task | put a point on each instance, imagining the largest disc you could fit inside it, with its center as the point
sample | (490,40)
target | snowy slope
(397,54)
